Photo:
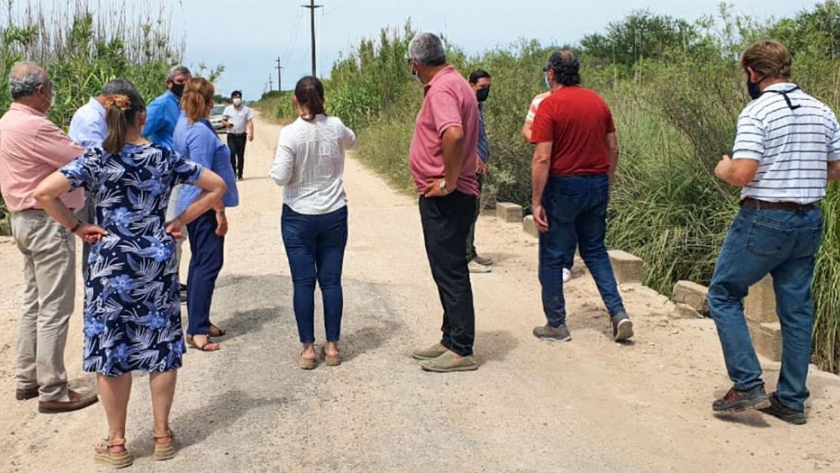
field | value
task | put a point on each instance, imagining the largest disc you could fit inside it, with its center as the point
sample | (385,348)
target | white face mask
(237,101)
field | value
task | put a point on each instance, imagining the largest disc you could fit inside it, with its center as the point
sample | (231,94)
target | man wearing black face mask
(786,149)
(161,117)
(480,81)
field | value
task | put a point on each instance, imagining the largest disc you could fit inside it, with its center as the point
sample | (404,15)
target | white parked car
(216,118)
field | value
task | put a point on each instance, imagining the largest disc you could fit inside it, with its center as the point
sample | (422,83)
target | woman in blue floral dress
(132,309)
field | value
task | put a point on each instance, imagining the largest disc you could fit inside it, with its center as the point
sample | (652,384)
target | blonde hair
(198,93)
(767,59)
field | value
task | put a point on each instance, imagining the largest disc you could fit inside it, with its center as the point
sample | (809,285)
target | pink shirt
(449,101)
(32,148)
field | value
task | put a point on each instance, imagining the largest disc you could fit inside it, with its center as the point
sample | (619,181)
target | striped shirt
(792,143)
(310,164)
(535,105)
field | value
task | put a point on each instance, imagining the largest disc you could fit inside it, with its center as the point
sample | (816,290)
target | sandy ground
(588,405)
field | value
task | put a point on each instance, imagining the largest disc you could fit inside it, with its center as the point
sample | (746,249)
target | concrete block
(628,269)
(509,212)
(684,311)
(760,304)
(692,295)
(529,227)
(767,339)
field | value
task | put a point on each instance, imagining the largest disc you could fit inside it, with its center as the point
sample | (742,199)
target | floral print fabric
(132,310)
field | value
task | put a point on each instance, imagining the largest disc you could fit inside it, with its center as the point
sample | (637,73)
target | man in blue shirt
(88,128)
(163,112)
(480,82)
(161,117)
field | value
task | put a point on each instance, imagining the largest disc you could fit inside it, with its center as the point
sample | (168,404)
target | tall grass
(82,49)
(675,114)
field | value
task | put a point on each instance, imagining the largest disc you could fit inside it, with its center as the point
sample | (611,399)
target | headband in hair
(120,101)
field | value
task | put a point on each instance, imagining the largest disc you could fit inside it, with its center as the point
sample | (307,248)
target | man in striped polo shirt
(786,148)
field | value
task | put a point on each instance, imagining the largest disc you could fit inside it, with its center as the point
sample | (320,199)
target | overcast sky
(248,35)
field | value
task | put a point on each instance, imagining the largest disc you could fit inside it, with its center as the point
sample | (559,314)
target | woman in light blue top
(195,139)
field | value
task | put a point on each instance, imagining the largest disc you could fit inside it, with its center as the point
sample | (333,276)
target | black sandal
(219,332)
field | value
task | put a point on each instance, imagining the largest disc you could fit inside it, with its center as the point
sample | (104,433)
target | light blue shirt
(161,116)
(88,127)
(199,143)
(483,144)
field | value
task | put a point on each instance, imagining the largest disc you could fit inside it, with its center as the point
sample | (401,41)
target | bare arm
(737,172)
(527,130)
(539,178)
(250,130)
(834,171)
(453,142)
(213,188)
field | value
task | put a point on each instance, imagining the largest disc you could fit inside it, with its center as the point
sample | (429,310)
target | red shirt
(449,101)
(576,121)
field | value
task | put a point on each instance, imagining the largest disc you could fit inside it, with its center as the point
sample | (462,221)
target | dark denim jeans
(208,257)
(783,244)
(576,207)
(315,248)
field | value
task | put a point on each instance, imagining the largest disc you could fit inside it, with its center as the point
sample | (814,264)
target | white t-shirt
(793,146)
(239,118)
(310,164)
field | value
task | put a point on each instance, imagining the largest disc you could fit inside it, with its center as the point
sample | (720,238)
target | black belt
(237,134)
(763,204)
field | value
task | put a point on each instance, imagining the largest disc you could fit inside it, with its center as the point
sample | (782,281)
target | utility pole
(279,76)
(270,83)
(312,8)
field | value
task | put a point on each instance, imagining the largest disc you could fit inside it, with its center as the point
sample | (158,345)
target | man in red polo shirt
(442,161)
(574,161)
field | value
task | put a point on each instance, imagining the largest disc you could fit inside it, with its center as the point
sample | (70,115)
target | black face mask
(482,94)
(177,89)
(752,89)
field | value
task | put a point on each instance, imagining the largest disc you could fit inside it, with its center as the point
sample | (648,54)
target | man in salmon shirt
(32,148)
(442,161)
(574,161)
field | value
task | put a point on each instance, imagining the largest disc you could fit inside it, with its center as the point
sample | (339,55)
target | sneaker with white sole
(622,326)
(567,275)
(483,260)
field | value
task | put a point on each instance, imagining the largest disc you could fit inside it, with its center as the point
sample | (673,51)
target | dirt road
(589,405)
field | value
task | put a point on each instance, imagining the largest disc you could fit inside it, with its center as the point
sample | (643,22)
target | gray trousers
(49,273)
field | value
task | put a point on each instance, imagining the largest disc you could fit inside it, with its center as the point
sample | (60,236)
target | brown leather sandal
(164,451)
(115,460)
(209,344)
(330,360)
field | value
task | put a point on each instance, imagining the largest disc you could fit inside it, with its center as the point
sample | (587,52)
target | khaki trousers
(49,261)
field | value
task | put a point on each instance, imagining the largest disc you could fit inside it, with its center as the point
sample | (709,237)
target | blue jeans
(208,256)
(781,243)
(315,248)
(576,207)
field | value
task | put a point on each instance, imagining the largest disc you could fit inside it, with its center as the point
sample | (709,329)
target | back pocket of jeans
(768,240)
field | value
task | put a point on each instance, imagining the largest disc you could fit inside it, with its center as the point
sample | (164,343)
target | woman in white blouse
(309,163)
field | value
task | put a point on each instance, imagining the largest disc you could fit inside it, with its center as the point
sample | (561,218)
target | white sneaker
(567,275)
(477,268)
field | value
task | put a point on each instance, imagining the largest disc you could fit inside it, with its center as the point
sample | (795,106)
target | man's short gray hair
(118,87)
(427,49)
(178,70)
(25,77)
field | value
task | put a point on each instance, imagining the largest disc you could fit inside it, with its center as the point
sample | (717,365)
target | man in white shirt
(787,148)
(88,129)
(239,121)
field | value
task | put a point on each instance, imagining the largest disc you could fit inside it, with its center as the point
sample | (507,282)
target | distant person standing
(310,165)
(89,129)
(239,121)
(442,158)
(161,117)
(527,130)
(574,161)
(480,81)
(31,148)
(787,147)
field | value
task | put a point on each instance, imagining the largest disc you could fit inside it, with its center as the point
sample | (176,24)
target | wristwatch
(443,186)
(76,226)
